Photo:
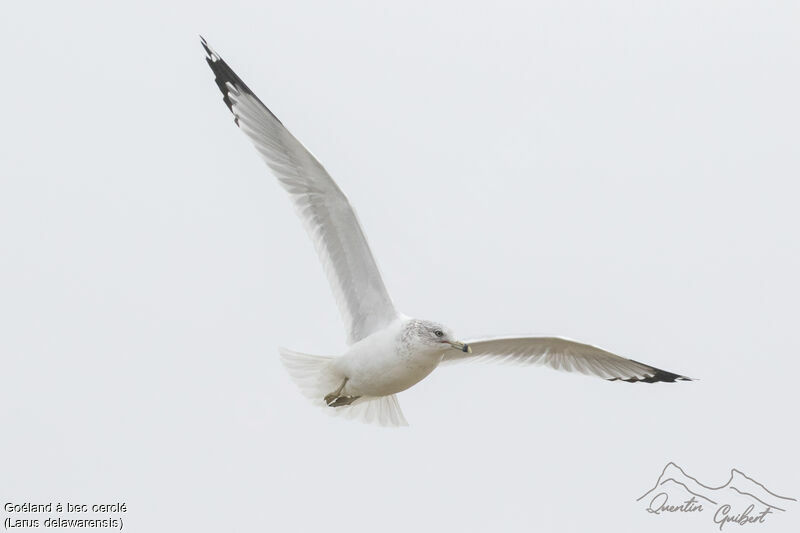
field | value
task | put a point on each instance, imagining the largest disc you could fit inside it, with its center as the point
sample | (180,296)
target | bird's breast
(388,371)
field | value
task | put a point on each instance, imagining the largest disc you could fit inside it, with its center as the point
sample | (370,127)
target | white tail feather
(315,377)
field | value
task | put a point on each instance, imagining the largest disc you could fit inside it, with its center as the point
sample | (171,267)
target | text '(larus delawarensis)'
(388,352)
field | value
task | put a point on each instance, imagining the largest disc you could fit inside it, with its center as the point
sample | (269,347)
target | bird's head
(432,336)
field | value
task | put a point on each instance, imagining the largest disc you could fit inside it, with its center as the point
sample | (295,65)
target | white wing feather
(357,286)
(563,354)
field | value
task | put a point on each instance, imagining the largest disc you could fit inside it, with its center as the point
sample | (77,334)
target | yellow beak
(461,346)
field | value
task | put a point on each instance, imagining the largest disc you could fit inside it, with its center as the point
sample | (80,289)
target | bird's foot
(334,400)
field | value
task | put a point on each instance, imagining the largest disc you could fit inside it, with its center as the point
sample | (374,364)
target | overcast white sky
(624,174)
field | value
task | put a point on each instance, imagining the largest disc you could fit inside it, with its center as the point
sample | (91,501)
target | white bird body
(388,351)
(384,364)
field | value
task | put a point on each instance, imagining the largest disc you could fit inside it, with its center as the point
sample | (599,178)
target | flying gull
(388,352)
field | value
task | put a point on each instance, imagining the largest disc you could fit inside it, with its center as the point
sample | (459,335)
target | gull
(388,352)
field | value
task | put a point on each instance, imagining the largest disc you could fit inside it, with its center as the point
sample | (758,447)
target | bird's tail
(315,376)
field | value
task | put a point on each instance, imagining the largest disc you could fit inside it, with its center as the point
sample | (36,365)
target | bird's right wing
(563,354)
(357,285)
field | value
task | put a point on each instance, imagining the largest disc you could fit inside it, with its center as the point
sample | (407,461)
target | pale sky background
(623,174)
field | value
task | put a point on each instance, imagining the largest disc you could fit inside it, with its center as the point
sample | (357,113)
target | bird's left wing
(563,354)
(331,223)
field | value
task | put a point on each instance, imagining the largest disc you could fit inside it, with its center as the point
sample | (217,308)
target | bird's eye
(438,333)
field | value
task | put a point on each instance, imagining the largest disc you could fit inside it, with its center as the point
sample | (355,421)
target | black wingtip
(224,77)
(657,376)
(204,44)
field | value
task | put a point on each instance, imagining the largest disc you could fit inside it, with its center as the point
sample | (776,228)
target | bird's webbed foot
(336,399)
(339,401)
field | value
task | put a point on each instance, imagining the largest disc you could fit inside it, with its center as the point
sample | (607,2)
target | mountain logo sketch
(741,499)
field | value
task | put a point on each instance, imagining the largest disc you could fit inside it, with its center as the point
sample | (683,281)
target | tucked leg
(343,400)
(335,399)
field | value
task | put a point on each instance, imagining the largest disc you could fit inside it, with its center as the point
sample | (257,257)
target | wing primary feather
(356,283)
(224,75)
(566,355)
